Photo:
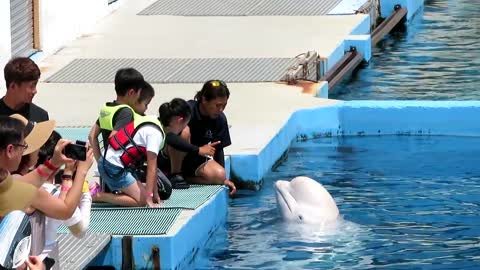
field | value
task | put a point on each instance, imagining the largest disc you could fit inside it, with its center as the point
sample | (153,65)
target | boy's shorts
(115,177)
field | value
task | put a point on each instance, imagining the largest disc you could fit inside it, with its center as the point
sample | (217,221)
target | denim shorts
(115,177)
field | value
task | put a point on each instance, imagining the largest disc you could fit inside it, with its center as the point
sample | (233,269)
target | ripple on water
(437,58)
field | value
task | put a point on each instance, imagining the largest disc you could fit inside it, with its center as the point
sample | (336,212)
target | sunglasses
(25,146)
(217,83)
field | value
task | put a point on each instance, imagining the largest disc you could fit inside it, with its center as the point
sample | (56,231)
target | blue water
(437,58)
(407,203)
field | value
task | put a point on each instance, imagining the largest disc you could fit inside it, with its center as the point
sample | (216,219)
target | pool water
(436,58)
(407,202)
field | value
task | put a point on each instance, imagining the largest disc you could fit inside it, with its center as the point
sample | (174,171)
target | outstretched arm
(93,139)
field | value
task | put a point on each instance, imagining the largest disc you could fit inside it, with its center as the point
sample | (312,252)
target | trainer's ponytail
(176,107)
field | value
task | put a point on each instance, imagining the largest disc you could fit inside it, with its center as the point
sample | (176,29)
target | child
(174,116)
(78,223)
(127,150)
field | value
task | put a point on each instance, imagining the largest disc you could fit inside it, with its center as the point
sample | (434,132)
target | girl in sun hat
(47,204)
(36,134)
(19,193)
(12,146)
(78,223)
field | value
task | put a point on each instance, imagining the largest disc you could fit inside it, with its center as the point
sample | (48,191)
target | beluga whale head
(304,200)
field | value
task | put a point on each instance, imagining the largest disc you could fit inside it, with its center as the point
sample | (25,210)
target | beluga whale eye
(300,217)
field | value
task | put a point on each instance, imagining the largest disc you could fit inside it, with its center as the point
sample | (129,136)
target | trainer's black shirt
(30,111)
(204,130)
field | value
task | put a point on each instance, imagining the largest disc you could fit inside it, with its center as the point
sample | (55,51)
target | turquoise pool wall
(410,118)
(363,28)
(361,118)
(176,251)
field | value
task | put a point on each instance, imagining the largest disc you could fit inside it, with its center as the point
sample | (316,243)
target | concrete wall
(457,118)
(61,21)
(361,118)
(5,40)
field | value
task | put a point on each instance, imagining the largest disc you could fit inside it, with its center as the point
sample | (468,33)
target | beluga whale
(304,200)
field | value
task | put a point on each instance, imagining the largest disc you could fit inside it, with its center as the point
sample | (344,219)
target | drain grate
(131,221)
(200,8)
(240,8)
(294,7)
(190,198)
(175,70)
(76,253)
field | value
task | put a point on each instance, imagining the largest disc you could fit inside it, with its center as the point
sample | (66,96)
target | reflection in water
(438,58)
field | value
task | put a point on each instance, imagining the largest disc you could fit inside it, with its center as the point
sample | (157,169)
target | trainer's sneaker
(178,182)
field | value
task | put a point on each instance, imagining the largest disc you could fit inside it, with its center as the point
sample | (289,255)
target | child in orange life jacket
(128,149)
(116,115)
(131,90)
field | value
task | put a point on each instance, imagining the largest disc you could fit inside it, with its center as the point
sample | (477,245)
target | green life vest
(107,113)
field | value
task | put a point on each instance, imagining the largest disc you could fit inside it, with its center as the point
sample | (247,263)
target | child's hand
(151,204)
(87,164)
(58,158)
(34,263)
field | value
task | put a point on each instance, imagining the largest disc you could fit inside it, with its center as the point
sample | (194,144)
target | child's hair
(146,92)
(46,151)
(11,131)
(176,107)
(213,89)
(126,79)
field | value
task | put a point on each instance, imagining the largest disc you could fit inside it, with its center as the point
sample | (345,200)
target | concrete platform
(254,120)
(127,35)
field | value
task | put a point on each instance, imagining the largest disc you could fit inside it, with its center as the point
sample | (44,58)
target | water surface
(437,58)
(407,203)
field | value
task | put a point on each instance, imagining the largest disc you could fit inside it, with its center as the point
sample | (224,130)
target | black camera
(76,151)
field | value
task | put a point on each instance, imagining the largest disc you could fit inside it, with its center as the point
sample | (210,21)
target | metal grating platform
(200,8)
(240,8)
(197,70)
(131,220)
(190,198)
(76,253)
(294,7)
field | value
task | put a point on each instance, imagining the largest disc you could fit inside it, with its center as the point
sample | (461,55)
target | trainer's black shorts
(191,162)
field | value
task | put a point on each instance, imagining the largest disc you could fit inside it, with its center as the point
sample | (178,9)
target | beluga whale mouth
(304,200)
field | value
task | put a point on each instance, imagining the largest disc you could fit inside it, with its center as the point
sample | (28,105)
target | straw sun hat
(36,134)
(15,195)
